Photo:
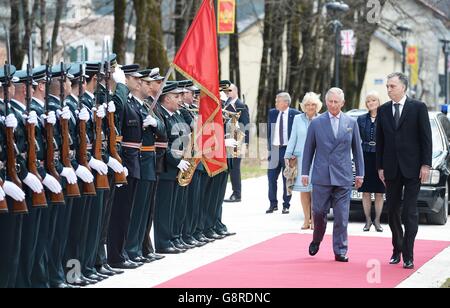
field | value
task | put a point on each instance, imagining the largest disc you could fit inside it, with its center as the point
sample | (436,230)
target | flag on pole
(226,15)
(197,59)
(413,61)
(348,42)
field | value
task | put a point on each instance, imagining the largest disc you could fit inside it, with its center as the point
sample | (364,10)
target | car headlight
(434,177)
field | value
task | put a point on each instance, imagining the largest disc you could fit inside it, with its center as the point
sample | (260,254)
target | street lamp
(336,8)
(446,50)
(403,30)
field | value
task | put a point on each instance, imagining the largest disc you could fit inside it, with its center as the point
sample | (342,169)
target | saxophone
(235,132)
(185,177)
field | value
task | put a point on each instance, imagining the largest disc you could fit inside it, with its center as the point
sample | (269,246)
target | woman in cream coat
(311,105)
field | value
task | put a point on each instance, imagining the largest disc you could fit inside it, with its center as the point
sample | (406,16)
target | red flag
(197,59)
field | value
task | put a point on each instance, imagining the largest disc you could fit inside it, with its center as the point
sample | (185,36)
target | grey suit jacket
(332,156)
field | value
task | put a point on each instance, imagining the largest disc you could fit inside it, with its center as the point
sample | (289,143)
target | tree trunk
(235,75)
(157,54)
(141,8)
(15,42)
(120,40)
(60,4)
(43,30)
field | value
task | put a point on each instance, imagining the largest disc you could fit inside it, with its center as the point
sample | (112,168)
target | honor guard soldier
(10,219)
(153,127)
(131,124)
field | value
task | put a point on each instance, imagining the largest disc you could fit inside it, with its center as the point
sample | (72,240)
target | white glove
(111,107)
(32,118)
(11,121)
(65,113)
(33,182)
(13,191)
(84,174)
(150,121)
(101,112)
(183,165)
(125,170)
(70,175)
(231,143)
(115,165)
(50,118)
(98,166)
(119,76)
(2,194)
(52,184)
(84,114)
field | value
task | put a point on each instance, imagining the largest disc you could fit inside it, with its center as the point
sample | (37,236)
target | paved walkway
(252,225)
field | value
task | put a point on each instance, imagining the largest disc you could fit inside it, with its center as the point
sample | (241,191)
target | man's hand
(358,182)
(424,174)
(305,180)
(381,176)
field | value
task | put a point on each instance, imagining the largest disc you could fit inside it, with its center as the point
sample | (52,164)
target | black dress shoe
(179,245)
(141,260)
(314,248)
(189,246)
(90,281)
(64,286)
(193,242)
(378,227)
(225,233)
(102,275)
(95,277)
(155,256)
(408,265)
(285,211)
(78,282)
(102,270)
(367,227)
(272,209)
(125,265)
(168,250)
(114,270)
(341,258)
(233,198)
(213,235)
(138,264)
(395,259)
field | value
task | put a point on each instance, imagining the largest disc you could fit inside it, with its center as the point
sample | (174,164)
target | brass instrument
(235,132)
(185,177)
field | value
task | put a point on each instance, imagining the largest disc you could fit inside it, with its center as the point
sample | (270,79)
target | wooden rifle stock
(87,188)
(3,204)
(101,180)
(37,199)
(50,163)
(19,207)
(119,178)
(72,190)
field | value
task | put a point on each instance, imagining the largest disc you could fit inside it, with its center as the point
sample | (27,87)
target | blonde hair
(314,98)
(373,94)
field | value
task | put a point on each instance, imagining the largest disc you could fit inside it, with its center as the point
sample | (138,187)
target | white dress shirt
(276,134)
(402,104)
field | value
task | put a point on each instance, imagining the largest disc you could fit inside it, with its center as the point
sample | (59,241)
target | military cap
(224,85)
(12,70)
(22,77)
(56,70)
(39,73)
(132,70)
(171,87)
(153,75)
(75,71)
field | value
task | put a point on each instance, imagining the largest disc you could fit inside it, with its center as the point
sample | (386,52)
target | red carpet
(283,262)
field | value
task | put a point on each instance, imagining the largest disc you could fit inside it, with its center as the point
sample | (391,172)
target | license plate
(358,195)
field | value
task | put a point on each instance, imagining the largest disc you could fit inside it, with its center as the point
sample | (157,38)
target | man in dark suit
(278,131)
(404,153)
(234,104)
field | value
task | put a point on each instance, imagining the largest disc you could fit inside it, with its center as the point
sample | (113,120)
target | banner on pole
(226,16)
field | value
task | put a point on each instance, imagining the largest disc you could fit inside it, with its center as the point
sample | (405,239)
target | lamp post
(446,50)
(403,33)
(335,8)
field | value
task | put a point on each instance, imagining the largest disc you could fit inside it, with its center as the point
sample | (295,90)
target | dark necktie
(281,130)
(396,114)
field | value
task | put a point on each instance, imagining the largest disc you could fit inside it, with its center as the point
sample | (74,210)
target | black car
(433,196)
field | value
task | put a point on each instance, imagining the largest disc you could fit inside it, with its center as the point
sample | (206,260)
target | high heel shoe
(378,226)
(305,227)
(367,227)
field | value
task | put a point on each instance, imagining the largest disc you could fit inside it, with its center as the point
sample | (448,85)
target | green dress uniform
(145,187)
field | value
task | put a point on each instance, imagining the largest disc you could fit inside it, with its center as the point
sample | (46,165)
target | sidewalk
(253,226)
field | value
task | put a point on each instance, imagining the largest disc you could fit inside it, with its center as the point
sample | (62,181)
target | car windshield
(438,147)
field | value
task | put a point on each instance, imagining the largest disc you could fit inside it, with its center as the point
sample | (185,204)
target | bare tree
(119,29)
(235,72)
(43,29)
(60,4)
(141,8)
(157,54)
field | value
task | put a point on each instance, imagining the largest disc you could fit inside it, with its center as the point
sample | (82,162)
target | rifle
(119,178)
(101,181)
(87,188)
(37,199)
(19,207)
(50,157)
(72,190)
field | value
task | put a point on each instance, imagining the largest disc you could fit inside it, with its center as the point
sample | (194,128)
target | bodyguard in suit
(234,104)
(279,127)
(331,138)
(404,155)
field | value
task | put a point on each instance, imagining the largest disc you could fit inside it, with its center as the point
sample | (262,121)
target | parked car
(433,196)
